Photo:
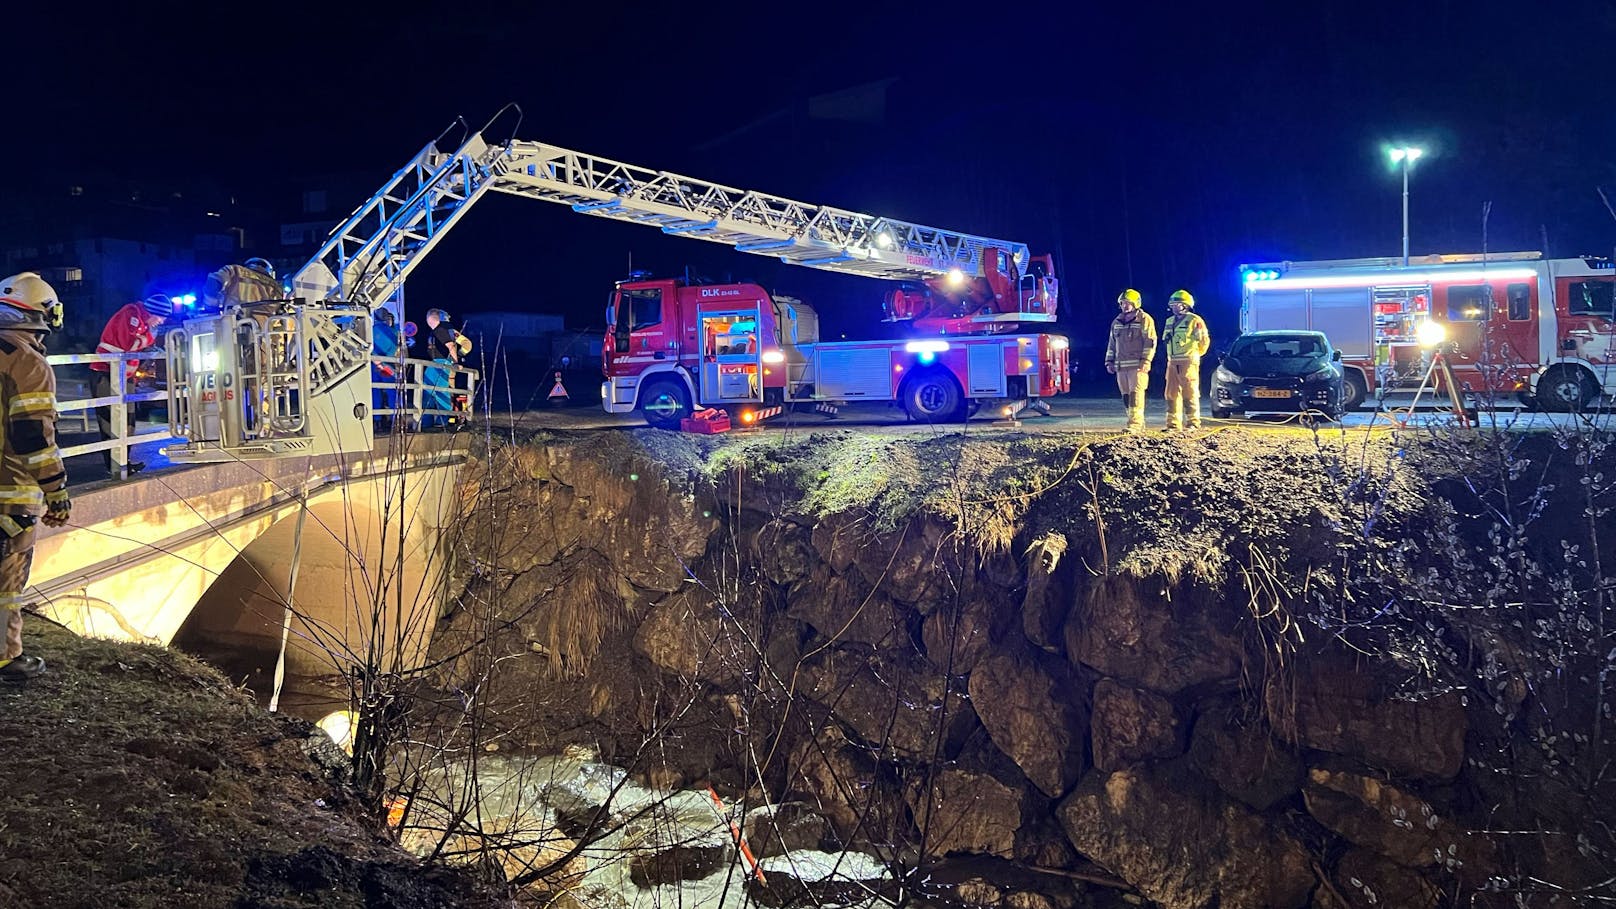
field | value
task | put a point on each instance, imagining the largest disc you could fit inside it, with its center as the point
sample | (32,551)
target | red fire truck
(1508,324)
(967,305)
(672,345)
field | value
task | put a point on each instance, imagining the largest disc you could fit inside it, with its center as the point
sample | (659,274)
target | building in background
(529,348)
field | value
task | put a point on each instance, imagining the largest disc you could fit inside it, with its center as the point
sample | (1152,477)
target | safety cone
(558,394)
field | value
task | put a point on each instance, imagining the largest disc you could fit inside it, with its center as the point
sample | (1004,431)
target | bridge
(331,553)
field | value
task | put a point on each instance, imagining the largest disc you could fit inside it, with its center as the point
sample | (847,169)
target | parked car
(1278,372)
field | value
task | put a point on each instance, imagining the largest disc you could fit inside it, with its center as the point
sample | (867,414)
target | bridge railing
(418,388)
(421,388)
(122,367)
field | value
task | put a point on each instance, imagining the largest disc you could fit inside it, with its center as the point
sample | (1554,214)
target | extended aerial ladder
(961,283)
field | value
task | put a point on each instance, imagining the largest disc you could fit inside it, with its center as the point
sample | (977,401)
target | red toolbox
(707,422)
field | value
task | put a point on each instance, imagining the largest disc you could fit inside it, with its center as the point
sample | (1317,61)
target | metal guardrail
(413,392)
(408,387)
(84,408)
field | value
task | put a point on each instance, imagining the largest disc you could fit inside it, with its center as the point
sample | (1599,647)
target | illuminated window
(1520,302)
(73,275)
(1469,304)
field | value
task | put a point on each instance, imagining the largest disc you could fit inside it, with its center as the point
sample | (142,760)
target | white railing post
(120,416)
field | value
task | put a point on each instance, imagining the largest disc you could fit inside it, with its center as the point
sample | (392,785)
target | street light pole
(1406,155)
(1406,162)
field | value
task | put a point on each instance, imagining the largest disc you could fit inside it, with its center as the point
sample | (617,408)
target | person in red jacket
(130,330)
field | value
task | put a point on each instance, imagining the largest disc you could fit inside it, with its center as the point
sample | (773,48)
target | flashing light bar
(1399,278)
(924,347)
(1260,274)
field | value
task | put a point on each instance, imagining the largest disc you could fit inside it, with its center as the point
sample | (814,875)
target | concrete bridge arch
(202,558)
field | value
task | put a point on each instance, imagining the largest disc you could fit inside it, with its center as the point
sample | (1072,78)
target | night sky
(1145,147)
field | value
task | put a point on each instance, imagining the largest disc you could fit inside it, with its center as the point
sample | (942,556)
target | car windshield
(1281,347)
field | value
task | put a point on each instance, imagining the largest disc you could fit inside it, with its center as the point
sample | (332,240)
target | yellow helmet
(1182,296)
(1130,296)
(37,300)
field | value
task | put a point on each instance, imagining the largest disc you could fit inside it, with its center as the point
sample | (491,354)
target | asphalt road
(1069,413)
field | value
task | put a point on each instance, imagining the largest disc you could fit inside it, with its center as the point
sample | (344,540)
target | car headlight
(1327,374)
(1223,375)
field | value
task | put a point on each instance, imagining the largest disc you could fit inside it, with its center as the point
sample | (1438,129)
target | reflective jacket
(31,466)
(1187,337)
(126,332)
(1131,343)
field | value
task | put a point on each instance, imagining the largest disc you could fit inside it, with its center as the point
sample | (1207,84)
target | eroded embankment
(1221,669)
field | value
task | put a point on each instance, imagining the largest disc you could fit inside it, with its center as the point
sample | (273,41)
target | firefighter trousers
(16,558)
(1183,393)
(1132,382)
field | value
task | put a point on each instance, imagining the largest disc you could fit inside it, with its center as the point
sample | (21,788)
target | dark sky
(1143,145)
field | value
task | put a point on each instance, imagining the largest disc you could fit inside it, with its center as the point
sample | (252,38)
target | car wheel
(1566,389)
(1353,390)
(664,403)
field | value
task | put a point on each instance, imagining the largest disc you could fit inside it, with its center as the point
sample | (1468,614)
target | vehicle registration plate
(1271,393)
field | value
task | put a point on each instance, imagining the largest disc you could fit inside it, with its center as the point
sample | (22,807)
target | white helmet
(260,264)
(37,300)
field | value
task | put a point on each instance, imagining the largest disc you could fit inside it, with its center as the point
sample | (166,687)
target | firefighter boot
(22,668)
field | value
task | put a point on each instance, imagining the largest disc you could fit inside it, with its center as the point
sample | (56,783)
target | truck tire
(1353,390)
(1566,389)
(932,396)
(664,403)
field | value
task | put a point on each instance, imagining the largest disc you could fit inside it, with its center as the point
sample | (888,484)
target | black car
(1278,371)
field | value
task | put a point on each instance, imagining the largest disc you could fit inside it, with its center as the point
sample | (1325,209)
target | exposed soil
(138,777)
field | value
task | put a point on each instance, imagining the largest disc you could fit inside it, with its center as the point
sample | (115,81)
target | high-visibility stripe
(42,457)
(32,402)
(104,347)
(9,525)
(21,495)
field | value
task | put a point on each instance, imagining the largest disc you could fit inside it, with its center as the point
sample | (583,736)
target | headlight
(1327,374)
(1223,375)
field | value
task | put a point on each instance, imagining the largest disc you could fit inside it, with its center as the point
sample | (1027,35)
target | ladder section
(816,236)
(368,256)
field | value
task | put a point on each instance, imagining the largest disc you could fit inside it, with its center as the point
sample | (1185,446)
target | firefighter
(1128,353)
(130,330)
(1187,342)
(33,482)
(253,281)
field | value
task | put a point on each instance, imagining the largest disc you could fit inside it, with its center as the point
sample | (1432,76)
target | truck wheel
(1566,389)
(1353,390)
(933,396)
(663,403)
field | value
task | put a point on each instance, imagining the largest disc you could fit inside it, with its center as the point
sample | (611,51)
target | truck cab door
(1585,310)
(644,326)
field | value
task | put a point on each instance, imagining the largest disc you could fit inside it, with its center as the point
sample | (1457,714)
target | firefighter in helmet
(1128,353)
(1187,342)
(33,482)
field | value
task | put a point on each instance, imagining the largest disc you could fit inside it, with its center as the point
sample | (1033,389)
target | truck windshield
(1590,298)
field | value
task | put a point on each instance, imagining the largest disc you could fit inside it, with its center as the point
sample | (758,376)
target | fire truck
(1508,324)
(672,345)
(291,377)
